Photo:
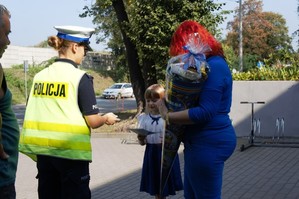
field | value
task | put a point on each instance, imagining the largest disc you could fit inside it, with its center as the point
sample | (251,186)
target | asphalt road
(105,105)
(113,105)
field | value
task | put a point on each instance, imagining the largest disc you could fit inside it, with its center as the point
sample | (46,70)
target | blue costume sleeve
(214,98)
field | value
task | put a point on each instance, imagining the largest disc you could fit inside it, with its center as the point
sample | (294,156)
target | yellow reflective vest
(53,124)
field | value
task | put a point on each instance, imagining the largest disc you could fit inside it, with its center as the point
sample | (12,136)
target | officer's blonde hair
(59,44)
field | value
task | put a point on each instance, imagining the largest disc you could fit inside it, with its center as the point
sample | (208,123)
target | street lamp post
(240,37)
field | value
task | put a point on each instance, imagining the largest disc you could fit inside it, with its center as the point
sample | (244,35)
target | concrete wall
(15,55)
(281,101)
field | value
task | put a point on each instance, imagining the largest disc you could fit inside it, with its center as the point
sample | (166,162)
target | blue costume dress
(150,178)
(211,140)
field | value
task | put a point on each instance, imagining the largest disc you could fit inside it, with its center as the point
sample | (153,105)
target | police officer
(60,111)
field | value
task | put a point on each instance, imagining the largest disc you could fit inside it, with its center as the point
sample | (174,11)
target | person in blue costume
(209,137)
(9,128)
(152,122)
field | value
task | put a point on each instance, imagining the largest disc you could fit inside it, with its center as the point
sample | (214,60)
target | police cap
(76,34)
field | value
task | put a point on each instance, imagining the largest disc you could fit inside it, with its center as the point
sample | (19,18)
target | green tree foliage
(230,56)
(263,33)
(43,44)
(283,58)
(296,33)
(269,74)
(112,17)
(145,28)
(153,23)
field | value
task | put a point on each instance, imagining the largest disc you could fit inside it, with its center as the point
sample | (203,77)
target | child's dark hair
(155,91)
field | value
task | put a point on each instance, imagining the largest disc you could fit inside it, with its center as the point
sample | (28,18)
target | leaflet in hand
(142,132)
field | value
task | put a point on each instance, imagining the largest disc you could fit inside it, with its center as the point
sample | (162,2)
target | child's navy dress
(150,179)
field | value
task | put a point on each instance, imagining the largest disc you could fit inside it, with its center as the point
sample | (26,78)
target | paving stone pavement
(256,173)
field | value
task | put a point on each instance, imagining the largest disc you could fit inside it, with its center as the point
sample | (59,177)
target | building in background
(16,55)
(98,61)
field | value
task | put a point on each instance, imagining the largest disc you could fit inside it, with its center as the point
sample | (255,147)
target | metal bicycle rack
(279,130)
(279,139)
(255,126)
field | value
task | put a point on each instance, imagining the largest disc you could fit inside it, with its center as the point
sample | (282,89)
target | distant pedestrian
(152,122)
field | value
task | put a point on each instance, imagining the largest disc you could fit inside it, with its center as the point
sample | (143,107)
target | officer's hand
(111,118)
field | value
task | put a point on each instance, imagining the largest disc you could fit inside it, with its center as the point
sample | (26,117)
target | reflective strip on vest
(55,127)
(51,139)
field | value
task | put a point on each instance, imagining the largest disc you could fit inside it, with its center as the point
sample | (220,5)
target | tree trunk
(149,73)
(132,57)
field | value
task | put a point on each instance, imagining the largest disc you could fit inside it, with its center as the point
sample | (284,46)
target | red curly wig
(189,27)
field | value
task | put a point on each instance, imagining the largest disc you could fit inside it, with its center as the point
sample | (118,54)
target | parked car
(118,90)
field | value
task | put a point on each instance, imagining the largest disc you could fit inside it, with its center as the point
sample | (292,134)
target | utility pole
(25,71)
(240,37)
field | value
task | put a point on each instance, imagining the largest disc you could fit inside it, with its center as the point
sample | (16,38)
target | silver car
(118,90)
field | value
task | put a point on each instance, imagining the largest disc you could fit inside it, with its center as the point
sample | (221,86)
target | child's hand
(3,155)
(141,139)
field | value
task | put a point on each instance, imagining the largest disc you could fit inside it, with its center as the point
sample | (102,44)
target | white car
(118,90)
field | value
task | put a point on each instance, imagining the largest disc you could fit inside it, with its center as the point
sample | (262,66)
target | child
(152,121)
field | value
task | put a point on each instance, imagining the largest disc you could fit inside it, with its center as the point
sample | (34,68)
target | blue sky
(32,20)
